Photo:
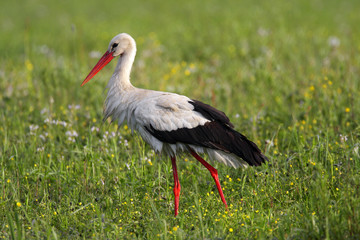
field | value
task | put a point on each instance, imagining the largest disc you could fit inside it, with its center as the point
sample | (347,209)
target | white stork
(172,123)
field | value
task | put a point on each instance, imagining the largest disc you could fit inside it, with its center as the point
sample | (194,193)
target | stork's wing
(168,112)
(178,119)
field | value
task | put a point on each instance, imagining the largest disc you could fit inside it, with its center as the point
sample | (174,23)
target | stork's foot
(213,173)
(177,186)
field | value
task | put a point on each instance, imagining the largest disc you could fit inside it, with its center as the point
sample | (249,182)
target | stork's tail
(247,150)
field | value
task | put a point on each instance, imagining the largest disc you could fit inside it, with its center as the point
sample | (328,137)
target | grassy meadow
(285,72)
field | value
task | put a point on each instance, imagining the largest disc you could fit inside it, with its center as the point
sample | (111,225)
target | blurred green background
(285,72)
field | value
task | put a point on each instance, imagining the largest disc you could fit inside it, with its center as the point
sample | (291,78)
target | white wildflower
(44,49)
(333,41)
(343,138)
(40,149)
(43,136)
(71,133)
(262,32)
(269,142)
(127,165)
(356,149)
(96,129)
(95,54)
(33,127)
(44,111)
(73,107)
(56,122)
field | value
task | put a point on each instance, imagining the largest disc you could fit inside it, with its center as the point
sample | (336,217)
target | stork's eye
(114,46)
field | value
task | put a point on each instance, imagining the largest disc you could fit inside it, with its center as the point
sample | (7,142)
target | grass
(286,73)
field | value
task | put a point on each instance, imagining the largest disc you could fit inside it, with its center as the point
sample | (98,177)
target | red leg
(214,174)
(177,186)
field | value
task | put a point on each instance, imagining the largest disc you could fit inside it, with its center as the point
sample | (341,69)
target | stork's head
(118,46)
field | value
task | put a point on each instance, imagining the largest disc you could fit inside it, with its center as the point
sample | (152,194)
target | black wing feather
(216,134)
(210,112)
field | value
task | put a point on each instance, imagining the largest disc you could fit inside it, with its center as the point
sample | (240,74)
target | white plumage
(171,123)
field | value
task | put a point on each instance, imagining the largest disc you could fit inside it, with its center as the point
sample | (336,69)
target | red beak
(102,63)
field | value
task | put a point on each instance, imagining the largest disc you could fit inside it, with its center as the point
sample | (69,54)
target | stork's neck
(121,76)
